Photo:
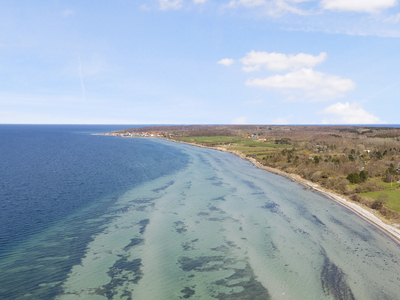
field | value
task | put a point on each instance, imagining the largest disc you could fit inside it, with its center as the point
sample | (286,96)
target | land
(357,166)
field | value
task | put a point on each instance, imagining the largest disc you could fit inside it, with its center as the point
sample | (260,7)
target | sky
(200,62)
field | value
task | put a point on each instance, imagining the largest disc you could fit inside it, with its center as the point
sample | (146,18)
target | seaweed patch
(203,263)
(164,187)
(271,206)
(189,245)
(213,208)
(180,227)
(364,237)
(221,198)
(143,200)
(245,282)
(143,223)
(203,214)
(221,248)
(317,221)
(134,242)
(333,280)
(188,292)
(121,273)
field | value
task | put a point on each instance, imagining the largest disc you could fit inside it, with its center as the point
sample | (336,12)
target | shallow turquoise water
(217,229)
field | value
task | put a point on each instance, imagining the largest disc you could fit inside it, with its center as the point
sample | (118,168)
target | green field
(388,186)
(236,143)
(210,139)
(244,145)
(393,201)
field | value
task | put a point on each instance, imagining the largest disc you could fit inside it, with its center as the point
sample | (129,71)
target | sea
(86,216)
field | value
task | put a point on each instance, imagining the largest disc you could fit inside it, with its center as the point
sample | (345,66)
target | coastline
(368,216)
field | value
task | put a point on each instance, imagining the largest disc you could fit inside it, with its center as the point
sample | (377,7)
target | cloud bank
(362,6)
(316,83)
(346,113)
(170,4)
(369,6)
(279,61)
(301,78)
(226,62)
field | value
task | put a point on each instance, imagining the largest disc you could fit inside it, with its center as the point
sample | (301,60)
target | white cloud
(199,1)
(370,6)
(346,113)
(274,8)
(240,120)
(393,19)
(170,4)
(313,82)
(279,61)
(247,3)
(300,1)
(226,61)
(283,6)
(251,68)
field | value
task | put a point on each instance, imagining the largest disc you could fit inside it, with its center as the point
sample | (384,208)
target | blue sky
(200,62)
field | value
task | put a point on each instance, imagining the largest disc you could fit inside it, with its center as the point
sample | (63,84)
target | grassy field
(234,141)
(388,186)
(393,201)
(211,139)
(244,145)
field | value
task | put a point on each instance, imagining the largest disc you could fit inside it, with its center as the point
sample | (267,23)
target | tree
(392,170)
(363,176)
(378,154)
(353,178)
(389,177)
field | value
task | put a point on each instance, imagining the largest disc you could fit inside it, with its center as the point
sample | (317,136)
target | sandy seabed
(223,229)
(391,231)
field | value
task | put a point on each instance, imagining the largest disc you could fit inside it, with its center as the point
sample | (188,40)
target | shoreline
(363,213)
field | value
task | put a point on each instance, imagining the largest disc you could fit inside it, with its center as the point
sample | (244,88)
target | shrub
(356,198)
(353,178)
(316,176)
(338,184)
(380,201)
(369,186)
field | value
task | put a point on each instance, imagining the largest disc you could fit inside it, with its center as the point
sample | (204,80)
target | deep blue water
(48,172)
